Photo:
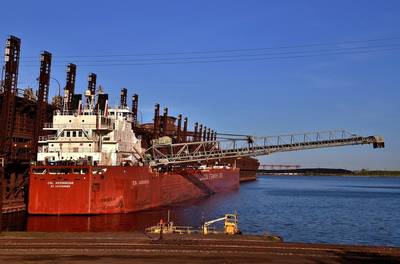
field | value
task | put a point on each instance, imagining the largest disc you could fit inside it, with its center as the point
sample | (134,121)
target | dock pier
(136,247)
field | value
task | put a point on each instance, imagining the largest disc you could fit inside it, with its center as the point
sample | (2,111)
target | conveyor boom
(171,154)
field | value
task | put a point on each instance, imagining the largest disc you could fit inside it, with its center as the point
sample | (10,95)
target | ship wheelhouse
(96,137)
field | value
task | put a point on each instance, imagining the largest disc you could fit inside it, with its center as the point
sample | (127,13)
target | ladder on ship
(179,153)
(196,182)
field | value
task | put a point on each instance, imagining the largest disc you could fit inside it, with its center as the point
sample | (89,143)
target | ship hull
(117,189)
(248,167)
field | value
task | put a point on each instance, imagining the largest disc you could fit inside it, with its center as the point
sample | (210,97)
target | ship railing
(68,150)
(253,146)
(85,112)
(60,170)
(48,137)
(108,126)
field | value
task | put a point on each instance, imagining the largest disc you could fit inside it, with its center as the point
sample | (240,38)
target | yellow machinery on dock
(170,228)
(230,225)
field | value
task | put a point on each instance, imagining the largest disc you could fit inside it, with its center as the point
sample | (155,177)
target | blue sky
(358,92)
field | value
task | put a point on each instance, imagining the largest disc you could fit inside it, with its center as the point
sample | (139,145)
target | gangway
(179,153)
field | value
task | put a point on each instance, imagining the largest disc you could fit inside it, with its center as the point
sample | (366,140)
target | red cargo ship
(92,162)
(120,189)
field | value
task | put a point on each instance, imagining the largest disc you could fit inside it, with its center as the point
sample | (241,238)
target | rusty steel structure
(164,123)
(7,117)
(135,106)
(185,130)
(42,100)
(91,91)
(22,115)
(156,126)
(179,129)
(195,133)
(69,89)
(123,99)
(9,90)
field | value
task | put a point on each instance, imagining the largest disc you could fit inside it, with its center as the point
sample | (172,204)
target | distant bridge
(278,167)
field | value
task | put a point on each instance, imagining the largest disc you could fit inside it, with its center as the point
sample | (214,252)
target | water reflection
(191,213)
(348,210)
(99,223)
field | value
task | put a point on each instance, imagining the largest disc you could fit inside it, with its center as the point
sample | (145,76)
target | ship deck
(135,247)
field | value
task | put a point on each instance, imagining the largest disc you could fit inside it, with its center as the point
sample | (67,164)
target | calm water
(346,210)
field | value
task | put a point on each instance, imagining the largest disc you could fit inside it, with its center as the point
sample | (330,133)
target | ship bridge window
(68,134)
(74,134)
(80,134)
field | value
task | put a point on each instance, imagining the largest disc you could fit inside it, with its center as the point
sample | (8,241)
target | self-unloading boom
(170,154)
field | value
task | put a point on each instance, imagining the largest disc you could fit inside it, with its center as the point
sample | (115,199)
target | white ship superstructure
(102,138)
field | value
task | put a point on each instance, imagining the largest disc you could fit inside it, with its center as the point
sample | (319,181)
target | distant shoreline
(329,172)
(321,174)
